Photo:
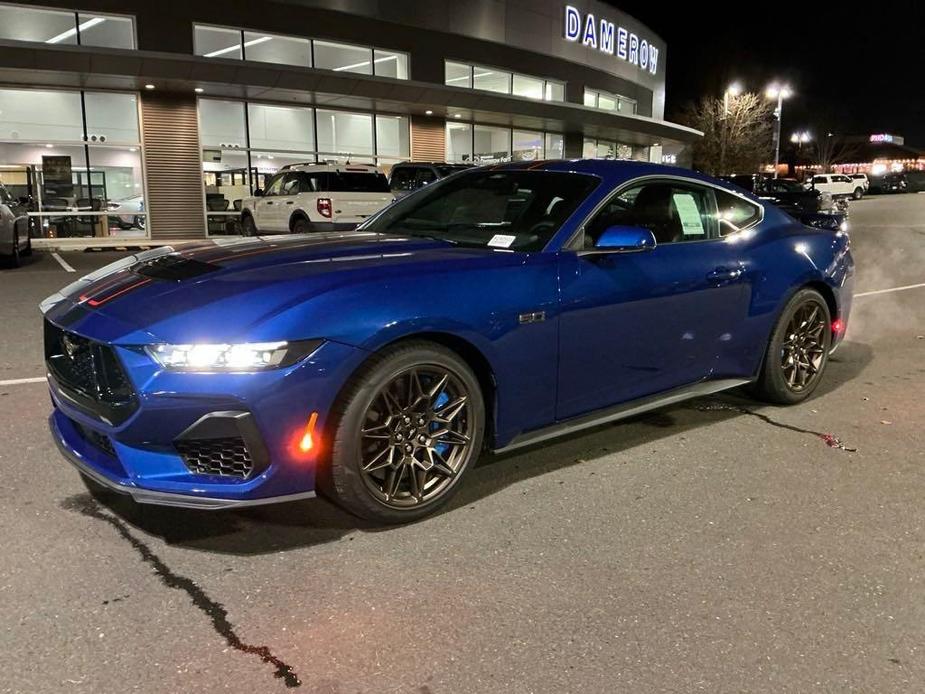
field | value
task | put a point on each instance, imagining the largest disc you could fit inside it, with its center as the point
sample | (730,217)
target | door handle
(268,202)
(723,274)
(289,202)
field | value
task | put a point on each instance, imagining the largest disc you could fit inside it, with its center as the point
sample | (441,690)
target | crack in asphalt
(214,610)
(830,440)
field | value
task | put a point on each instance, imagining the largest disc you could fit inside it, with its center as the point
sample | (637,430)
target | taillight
(324,207)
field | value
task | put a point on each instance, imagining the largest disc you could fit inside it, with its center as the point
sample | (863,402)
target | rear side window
(734,213)
(356,182)
(820,179)
(402,179)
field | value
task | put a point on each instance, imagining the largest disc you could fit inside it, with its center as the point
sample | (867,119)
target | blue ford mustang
(495,309)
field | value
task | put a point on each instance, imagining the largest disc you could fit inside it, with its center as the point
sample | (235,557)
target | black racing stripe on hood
(174,268)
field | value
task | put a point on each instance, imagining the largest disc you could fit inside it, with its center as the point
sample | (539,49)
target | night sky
(856,67)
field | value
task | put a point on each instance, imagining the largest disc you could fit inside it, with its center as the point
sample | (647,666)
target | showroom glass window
(265,47)
(65,28)
(469,76)
(608,149)
(74,159)
(245,144)
(610,102)
(485,144)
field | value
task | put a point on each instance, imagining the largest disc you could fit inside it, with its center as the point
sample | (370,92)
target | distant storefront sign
(605,36)
(886,137)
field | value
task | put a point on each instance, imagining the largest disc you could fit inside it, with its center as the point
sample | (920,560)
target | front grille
(95,438)
(227,457)
(90,374)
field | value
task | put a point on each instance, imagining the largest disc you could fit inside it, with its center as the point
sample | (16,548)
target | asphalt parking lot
(717,545)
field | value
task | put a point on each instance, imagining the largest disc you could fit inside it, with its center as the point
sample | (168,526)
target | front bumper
(150,496)
(140,456)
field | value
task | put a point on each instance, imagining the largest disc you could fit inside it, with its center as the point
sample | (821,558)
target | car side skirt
(622,411)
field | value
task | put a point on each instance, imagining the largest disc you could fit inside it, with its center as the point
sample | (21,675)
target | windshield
(783,185)
(518,210)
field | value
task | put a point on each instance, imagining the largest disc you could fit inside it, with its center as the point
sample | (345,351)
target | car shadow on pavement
(302,524)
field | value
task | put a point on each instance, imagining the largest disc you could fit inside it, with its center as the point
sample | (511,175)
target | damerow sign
(608,38)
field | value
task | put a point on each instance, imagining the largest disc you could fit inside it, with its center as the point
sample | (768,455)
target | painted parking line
(22,381)
(891,290)
(63,263)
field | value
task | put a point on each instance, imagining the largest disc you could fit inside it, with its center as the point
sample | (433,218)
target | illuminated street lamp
(733,90)
(779,92)
(800,138)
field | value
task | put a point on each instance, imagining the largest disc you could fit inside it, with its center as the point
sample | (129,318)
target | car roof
(615,171)
(313,167)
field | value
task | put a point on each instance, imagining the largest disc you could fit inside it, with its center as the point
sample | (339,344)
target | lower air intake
(227,457)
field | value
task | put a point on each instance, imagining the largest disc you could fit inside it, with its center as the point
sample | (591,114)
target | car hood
(249,289)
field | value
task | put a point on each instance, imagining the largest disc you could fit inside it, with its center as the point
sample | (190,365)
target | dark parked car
(409,176)
(813,207)
(14,229)
(888,183)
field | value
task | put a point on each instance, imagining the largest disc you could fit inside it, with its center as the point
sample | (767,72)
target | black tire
(858,193)
(14,259)
(27,251)
(248,226)
(300,225)
(359,491)
(776,382)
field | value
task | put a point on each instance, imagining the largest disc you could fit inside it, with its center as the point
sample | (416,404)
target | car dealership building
(141,119)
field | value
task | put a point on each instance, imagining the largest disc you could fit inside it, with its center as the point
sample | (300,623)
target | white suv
(862,179)
(838,185)
(316,197)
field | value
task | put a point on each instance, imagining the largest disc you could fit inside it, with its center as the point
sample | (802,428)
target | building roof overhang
(37,65)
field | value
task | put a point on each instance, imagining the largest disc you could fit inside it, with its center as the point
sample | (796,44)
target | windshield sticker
(691,223)
(501,241)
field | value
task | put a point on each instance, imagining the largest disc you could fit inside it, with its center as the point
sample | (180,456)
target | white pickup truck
(837,185)
(316,197)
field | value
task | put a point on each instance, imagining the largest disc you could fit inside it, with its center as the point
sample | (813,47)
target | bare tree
(831,149)
(737,134)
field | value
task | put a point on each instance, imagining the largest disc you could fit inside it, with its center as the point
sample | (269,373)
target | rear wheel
(409,426)
(248,226)
(798,352)
(858,193)
(301,226)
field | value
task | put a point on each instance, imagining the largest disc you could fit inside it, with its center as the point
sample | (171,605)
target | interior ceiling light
(73,32)
(229,49)
(365,63)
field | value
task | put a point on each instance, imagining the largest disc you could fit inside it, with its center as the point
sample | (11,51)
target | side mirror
(258,192)
(625,239)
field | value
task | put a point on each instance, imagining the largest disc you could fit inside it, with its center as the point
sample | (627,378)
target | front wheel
(409,425)
(798,351)
(13,260)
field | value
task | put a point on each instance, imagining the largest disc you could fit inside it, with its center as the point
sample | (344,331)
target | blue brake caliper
(441,400)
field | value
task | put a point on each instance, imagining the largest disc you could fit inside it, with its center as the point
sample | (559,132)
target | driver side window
(275,186)
(674,212)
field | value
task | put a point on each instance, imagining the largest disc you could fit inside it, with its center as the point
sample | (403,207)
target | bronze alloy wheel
(804,348)
(416,436)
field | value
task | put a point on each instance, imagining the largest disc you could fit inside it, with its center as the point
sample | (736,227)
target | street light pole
(733,89)
(780,93)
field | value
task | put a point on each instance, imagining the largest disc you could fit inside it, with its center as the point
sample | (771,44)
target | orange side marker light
(307,442)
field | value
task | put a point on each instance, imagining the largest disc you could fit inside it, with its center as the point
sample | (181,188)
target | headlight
(250,356)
